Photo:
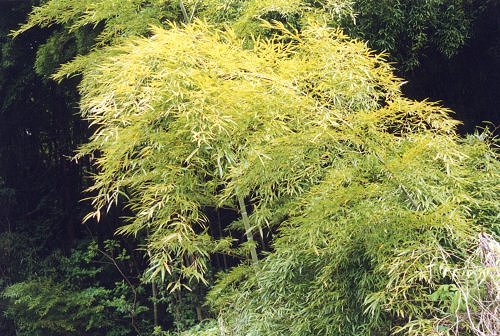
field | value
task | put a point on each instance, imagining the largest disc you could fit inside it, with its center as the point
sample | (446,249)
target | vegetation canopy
(257,139)
(378,203)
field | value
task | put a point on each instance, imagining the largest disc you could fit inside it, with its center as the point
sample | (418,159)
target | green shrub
(67,298)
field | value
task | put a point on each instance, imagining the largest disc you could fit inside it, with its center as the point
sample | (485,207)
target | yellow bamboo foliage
(377,201)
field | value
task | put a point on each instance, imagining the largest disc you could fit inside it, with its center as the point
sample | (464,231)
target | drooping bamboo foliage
(360,212)
(384,243)
(183,132)
(378,202)
(96,24)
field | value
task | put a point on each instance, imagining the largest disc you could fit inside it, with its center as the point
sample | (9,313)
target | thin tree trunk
(155,303)
(184,12)
(199,312)
(246,222)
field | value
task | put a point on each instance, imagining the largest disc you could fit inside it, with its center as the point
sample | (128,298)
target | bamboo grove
(353,209)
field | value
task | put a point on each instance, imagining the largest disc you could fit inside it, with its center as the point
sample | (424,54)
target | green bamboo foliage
(96,24)
(385,220)
(119,19)
(444,25)
(200,122)
(383,244)
(409,29)
(378,203)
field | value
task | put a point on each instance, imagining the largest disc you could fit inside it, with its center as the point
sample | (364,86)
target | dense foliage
(373,193)
(259,142)
(404,28)
(408,30)
(60,301)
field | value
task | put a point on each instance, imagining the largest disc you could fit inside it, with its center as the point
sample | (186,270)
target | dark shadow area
(469,82)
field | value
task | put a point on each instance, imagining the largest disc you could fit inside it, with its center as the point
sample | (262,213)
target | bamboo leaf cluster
(364,212)
(174,136)
(375,198)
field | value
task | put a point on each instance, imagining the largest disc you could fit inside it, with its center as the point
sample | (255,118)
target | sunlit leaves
(373,194)
(370,247)
(376,201)
(188,119)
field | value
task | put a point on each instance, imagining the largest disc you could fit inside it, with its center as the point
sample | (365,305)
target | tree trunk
(155,303)
(246,222)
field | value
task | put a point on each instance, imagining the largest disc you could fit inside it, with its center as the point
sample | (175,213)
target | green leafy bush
(67,298)
(206,328)
(410,30)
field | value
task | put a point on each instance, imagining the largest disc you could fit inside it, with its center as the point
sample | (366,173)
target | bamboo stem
(248,231)
(155,303)
(184,12)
